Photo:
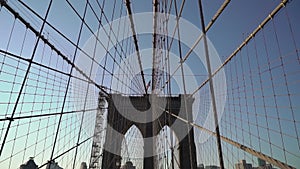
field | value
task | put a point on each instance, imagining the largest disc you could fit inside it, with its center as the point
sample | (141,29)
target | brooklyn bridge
(149,84)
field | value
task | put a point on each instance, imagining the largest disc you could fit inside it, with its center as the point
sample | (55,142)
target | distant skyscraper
(30,164)
(261,162)
(267,166)
(263,165)
(243,165)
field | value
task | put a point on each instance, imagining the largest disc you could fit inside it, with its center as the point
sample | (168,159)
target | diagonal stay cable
(66,94)
(209,25)
(234,143)
(211,87)
(66,38)
(244,43)
(60,53)
(27,71)
(53,47)
(136,42)
(129,67)
(168,142)
(183,84)
(41,65)
(98,40)
(67,151)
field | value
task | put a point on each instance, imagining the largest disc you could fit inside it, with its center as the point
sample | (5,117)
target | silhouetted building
(83,165)
(267,166)
(30,164)
(212,167)
(200,166)
(128,165)
(243,165)
(53,165)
